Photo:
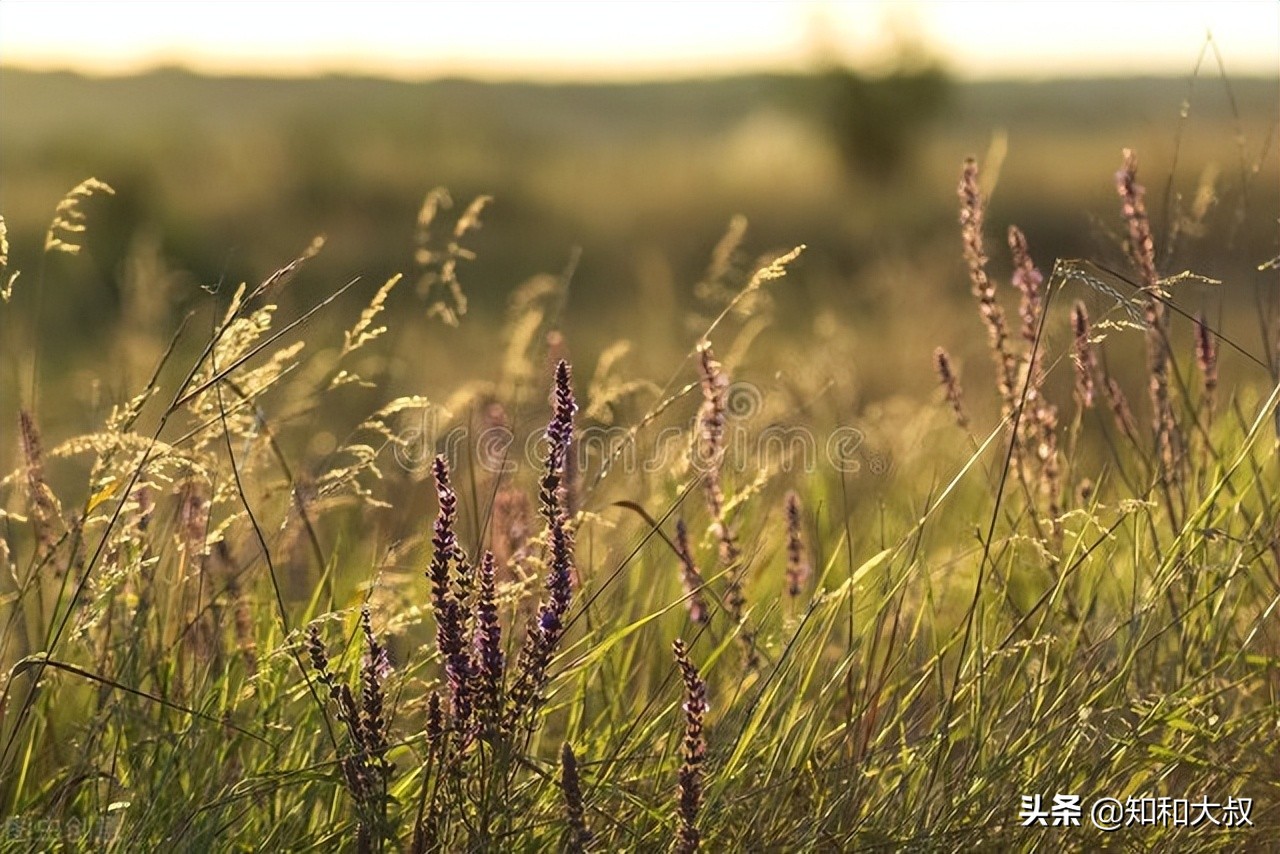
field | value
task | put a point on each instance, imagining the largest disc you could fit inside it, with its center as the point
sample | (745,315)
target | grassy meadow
(681,466)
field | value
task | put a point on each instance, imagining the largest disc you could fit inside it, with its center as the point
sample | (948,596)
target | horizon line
(586,78)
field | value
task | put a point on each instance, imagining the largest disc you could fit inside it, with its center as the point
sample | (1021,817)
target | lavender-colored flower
(559,445)
(447,563)
(579,837)
(488,646)
(545,630)
(374,670)
(693,750)
(435,718)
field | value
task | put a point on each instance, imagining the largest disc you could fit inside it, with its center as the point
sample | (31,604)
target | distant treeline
(231,175)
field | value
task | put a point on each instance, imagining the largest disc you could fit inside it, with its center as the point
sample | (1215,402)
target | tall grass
(220,638)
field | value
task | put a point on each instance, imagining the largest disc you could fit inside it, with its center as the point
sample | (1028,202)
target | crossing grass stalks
(223,639)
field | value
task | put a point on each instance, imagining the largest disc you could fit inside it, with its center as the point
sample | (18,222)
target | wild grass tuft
(268,600)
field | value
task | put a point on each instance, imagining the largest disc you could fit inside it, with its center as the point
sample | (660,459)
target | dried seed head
(972,214)
(689,575)
(1028,280)
(1140,245)
(708,455)
(68,225)
(950,385)
(798,568)
(1085,360)
(1207,359)
(318,654)
(709,450)
(1120,408)
(45,510)
(1141,249)
(193,519)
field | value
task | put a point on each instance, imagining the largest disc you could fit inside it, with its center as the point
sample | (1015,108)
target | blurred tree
(873,116)
(874,121)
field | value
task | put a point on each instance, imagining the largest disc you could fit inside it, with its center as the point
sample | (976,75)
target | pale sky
(628,40)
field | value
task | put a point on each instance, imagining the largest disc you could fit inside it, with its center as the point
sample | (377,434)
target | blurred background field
(224,179)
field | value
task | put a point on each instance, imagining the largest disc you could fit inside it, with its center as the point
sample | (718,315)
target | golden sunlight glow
(620,40)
